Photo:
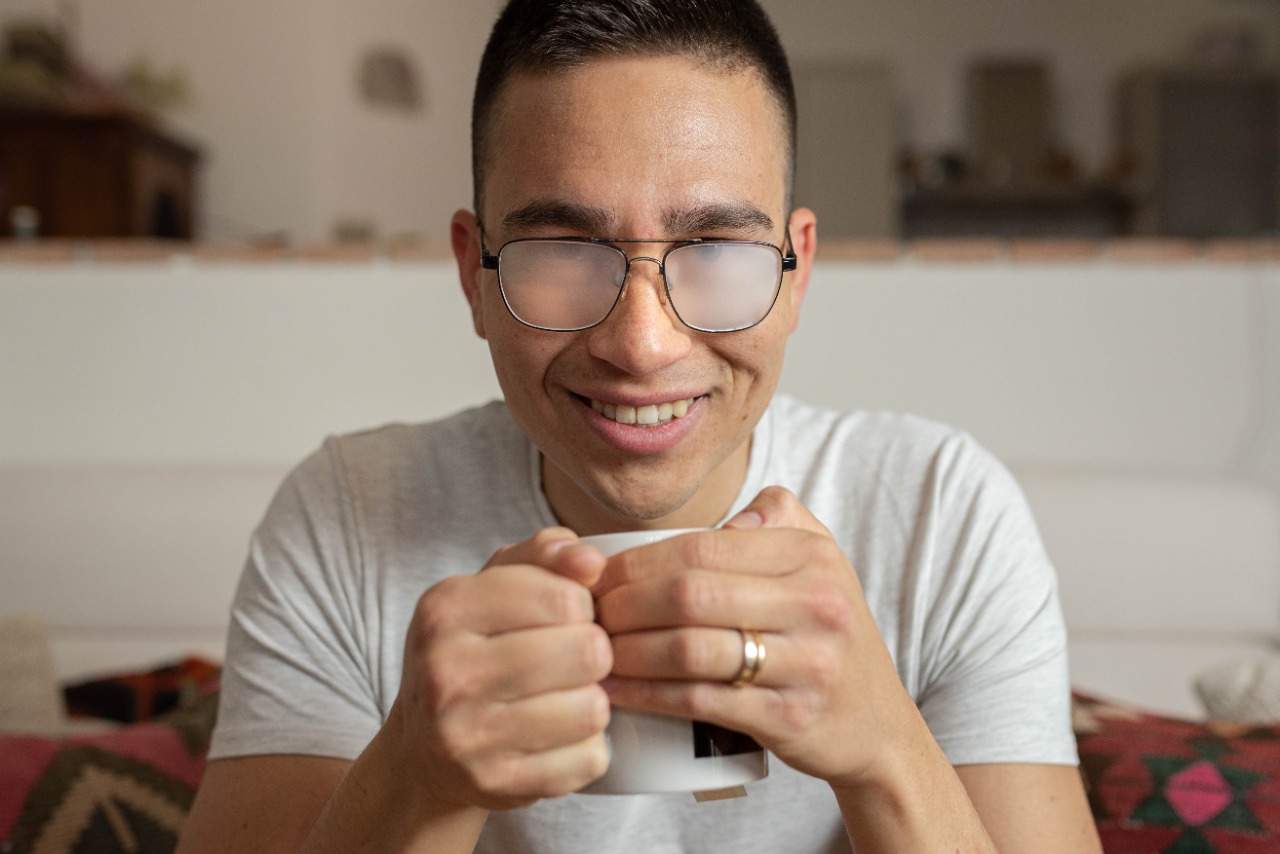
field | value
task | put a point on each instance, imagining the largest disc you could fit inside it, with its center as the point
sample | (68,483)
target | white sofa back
(148,412)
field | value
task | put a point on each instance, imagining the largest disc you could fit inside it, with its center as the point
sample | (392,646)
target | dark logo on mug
(710,740)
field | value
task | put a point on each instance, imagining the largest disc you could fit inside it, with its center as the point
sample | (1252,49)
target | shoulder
(887,472)
(401,463)
(464,432)
(891,446)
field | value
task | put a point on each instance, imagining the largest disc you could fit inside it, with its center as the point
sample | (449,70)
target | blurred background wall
(292,145)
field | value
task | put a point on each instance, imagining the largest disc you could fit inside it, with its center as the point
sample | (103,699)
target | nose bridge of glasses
(662,273)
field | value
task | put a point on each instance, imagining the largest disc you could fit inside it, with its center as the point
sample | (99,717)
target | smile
(643,416)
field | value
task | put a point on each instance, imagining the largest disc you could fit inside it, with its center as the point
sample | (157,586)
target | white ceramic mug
(657,753)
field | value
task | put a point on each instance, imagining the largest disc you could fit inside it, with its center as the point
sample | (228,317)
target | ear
(464,233)
(803,228)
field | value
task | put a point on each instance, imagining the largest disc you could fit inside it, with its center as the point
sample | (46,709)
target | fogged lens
(560,284)
(723,287)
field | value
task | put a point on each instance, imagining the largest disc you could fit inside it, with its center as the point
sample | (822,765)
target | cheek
(520,359)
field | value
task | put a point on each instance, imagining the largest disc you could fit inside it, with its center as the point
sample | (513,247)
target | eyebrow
(587,219)
(567,215)
(735,216)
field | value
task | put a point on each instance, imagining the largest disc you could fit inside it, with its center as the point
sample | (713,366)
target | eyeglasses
(567,284)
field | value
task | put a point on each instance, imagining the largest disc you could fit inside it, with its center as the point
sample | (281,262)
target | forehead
(635,136)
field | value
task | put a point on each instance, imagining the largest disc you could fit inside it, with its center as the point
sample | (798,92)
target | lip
(632,439)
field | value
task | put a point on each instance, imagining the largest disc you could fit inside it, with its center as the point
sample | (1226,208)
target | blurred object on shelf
(35,67)
(354,230)
(973,210)
(39,71)
(1230,45)
(154,90)
(25,222)
(1203,147)
(1008,121)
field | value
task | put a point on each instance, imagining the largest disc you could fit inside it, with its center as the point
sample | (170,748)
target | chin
(637,503)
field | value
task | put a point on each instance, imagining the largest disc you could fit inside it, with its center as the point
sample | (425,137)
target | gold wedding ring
(752,658)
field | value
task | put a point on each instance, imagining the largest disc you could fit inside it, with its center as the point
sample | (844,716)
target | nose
(642,335)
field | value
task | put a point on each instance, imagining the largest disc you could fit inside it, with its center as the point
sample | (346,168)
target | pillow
(1161,785)
(1246,691)
(126,790)
(135,697)
(29,700)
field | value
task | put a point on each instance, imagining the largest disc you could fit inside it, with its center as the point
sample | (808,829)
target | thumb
(777,507)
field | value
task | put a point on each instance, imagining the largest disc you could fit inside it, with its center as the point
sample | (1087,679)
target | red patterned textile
(1161,785)
(124,790)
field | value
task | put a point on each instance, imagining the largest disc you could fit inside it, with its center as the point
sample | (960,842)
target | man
(636,268)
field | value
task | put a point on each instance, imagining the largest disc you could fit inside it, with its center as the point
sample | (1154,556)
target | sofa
(154,407)
(100,550)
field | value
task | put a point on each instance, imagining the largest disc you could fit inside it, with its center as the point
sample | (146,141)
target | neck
(581,511)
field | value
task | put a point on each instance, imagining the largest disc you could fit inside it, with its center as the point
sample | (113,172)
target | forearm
(916,803)
(375,809)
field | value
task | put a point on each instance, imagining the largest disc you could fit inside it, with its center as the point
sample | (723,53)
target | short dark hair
(560,35)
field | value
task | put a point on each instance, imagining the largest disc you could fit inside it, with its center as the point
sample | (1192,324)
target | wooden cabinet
(96,176)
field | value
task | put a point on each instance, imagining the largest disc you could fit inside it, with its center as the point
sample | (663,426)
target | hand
(499,701)
(827,701)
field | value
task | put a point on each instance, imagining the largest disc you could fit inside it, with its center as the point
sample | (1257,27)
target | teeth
(644,416)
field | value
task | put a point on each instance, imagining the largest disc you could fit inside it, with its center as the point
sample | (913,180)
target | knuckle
(691,595)
(595,652)
(494,778)
(796,710)
(823,667)
(690,653)
(447,684)
(703,549)
(597,711)
(457,741)
(829,605)
(701,699)
(778,495)
(441,600)
(544,538)
(596,760)
(567,602)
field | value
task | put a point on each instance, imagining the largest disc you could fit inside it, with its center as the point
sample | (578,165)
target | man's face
(657,148)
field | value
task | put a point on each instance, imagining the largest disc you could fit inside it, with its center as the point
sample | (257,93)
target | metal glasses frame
(489,261)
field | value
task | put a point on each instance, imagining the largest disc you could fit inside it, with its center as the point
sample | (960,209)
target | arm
(1032,807)
(499,706)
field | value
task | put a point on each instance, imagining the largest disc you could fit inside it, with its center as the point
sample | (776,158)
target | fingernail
(746,519)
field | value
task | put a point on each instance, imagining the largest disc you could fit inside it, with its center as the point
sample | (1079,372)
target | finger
(551,773)
(556,549)
(706,655)
(777,507)
(704,598)
(544,722)
(753,708)
(504,599)
(529,662)
(772,552)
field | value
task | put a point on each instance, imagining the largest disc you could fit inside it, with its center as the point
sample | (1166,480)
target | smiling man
(423,655)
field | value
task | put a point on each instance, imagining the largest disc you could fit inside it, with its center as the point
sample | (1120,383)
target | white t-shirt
(939,533)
